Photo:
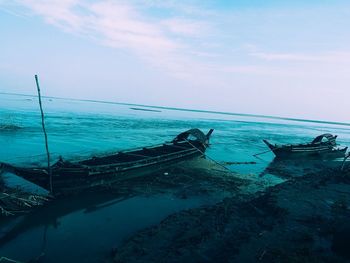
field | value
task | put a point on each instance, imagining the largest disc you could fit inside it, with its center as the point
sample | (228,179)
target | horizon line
(186,109)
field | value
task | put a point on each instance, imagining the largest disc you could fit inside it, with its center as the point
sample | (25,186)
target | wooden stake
(46,142)
(343,163)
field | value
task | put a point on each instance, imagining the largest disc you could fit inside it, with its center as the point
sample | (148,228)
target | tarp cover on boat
(198,134)
(330,138)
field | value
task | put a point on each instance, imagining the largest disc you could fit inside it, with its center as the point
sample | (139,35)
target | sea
(87,228)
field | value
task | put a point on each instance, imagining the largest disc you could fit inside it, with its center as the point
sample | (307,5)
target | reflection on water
(296,167)
(85,228)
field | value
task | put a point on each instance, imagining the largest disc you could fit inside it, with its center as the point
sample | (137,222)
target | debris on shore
(14,201)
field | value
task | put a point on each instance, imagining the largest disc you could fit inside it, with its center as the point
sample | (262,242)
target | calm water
(86,228)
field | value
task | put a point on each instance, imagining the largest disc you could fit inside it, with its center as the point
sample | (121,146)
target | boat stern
(208,137)
(272,147)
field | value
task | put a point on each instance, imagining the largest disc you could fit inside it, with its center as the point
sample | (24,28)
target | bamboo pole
(45,134)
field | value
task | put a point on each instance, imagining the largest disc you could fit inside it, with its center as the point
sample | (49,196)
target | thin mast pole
(45,134)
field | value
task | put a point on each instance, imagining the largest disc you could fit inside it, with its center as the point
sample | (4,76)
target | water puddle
(85,229)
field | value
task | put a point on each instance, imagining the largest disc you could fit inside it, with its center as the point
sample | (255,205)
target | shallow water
(86,228)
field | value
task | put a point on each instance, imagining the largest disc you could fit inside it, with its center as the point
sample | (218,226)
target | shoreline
(301,220)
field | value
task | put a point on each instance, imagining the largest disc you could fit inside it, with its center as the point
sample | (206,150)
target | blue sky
(284,58)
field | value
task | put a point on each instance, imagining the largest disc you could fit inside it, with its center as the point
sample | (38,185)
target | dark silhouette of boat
(50,215)
(323,146)
(73,176)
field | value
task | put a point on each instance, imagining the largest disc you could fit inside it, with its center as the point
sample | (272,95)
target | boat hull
(319,151)
(324,155)
(77,176)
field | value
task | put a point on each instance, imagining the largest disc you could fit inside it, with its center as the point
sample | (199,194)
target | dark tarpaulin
(330,138)
(198,134)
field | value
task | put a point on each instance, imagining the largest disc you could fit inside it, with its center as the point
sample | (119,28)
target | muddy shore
(301,220)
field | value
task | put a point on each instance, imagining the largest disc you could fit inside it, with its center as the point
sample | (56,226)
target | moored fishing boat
(72,176)
(323,146)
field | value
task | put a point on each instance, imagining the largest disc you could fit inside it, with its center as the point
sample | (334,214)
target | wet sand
(304,219)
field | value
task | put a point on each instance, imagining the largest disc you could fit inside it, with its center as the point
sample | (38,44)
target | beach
(197,210)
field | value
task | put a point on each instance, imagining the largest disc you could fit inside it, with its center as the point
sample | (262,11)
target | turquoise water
(86,228)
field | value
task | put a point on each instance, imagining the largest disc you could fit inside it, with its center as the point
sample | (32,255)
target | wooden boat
(73,176)
(323,146)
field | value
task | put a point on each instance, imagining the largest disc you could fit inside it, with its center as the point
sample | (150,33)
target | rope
(5,259)
(238,163)
(210,157)
(255,155)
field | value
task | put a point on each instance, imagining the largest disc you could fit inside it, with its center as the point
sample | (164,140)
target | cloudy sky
(283,58)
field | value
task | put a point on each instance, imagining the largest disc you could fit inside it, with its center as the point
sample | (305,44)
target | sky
(286,58)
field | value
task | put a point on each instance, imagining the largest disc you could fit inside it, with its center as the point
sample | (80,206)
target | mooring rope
(231,172)
(255,155)
(5,259)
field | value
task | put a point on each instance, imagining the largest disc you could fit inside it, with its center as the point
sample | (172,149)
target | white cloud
(164,42)
(326,57)
(206,48)
(284,56)
(186,27)
(118,24)
(189,7)
(317,67)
